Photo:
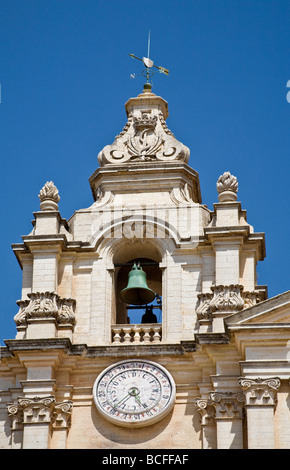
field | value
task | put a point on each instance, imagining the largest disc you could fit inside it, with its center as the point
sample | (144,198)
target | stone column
(260,405)
(208,425)
(229,419)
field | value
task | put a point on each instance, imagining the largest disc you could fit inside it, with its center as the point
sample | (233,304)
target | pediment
(273,311)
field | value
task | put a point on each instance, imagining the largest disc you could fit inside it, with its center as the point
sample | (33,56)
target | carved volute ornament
(145,137)
(227,298)
(260,391)
(38,410)
(44,305)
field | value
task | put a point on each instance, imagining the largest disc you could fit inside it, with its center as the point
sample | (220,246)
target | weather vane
(149,64)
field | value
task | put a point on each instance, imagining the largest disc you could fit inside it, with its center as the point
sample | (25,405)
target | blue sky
(65,77)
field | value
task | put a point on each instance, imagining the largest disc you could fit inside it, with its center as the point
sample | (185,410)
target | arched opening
(127,313)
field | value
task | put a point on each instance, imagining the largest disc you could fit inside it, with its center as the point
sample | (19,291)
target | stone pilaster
(260,405)
(229,419)
(207,422)
(15,413)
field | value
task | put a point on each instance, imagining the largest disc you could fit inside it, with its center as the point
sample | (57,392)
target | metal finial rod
(148,44)
(149,64)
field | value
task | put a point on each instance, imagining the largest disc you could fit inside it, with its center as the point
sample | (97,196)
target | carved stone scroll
(145,137)
(227,298)
(45,305)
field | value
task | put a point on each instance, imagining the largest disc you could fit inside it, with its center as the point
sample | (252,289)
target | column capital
(38,410)
(260,391)
(61,415)
(228,405)
(206,410)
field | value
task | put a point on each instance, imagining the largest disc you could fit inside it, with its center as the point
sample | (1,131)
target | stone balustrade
(136,334)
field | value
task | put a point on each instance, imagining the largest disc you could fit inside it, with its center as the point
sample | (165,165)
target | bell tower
(196,265)
(147,209)
(135,312)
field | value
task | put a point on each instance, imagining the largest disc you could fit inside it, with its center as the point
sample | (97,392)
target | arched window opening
(129,313)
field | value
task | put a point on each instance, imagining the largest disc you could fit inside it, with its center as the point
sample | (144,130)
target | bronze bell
(137,291)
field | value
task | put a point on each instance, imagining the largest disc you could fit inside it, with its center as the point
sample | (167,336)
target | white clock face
(134,393)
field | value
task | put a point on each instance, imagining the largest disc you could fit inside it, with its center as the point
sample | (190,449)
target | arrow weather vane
(147,73)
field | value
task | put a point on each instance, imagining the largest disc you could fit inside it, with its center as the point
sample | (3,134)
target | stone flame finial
(49,197)
(227,187)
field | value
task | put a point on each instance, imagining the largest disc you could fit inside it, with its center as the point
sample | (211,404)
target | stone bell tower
(147,207)
(79,345)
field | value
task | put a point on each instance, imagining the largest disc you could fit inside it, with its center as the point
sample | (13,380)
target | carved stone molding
(183,194)
(228,404)
(66,311)
(260,391)
(20,317)
(145,137)
(38,410)
(203,308)
(225,299)
(45,305)
(252,298)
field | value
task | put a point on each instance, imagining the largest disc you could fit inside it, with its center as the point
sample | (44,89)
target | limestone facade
(225,344)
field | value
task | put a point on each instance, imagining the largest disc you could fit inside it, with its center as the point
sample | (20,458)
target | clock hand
(123,399)
(133,392)
(137,398)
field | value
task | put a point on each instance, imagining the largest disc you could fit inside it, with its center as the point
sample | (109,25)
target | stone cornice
(214,234)
(15,346)
(211,338)
(43,242)
(147,99)
(164,175)
(37,344)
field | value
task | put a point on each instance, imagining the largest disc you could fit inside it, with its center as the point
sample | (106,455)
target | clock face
(134,393)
